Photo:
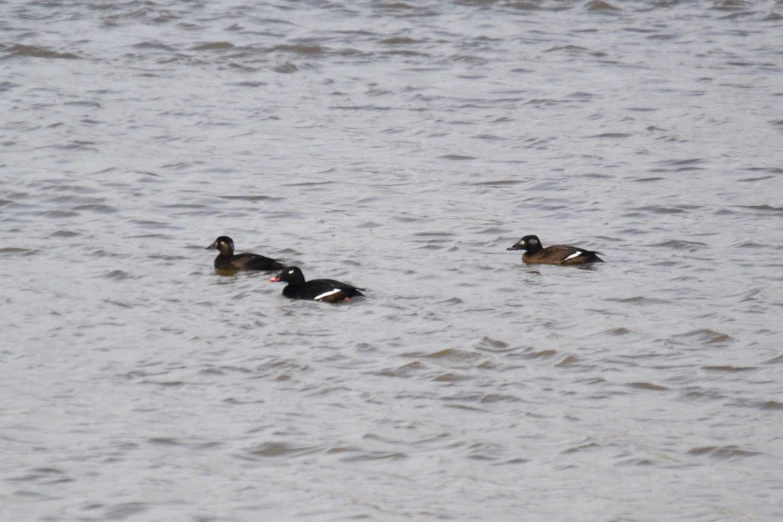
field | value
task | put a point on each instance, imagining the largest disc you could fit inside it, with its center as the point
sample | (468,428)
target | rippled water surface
(399,146)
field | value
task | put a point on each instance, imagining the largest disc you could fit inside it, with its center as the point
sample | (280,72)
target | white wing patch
(575,254)
(327,294)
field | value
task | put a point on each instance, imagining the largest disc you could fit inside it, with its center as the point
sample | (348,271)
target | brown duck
(536,254)
(228,261)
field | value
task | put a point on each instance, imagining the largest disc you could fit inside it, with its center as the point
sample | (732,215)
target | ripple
(400,40)
(540,354)
(118,275)
(375,456)
(213,46)
(33,51)
(570,49)
(286,68)
(722,452)
(706,336)
(498,183)
(569,360)
(299,49)
(618,331)
(164,441)
(125,510)
(647,386)
(450,377)
(763,208)
(456,157)
(278,449)
(488,344)
(640,300)
(258,197)
(636,462)
(403,371)
(589,446)
(59,214)
(677,244)
(17,251)
(601,6)
(729,369)
(64,233)
(450,356)
(99,209)
(611,135)
(656,209)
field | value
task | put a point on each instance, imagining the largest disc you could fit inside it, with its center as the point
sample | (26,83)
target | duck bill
(516,247)
(213,246)
(274,279)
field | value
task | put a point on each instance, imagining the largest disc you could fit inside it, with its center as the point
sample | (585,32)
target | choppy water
(400,146)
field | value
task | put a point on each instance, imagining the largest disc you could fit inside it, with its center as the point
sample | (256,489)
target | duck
(536,254)
(327,290)
(228,261)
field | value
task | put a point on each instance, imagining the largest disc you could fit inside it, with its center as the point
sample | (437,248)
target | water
(401,147)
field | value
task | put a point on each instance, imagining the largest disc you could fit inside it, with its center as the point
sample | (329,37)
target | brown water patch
(569,360)
(286,68)
(399,40)
(488,344)
(542,354)
(309,50)
(618,331)
(209,46)
(581,448)
(117,274)
(450,377)
(647,386)
(601,6)
(279,449)
(722,452)
(636,462)
(165,441)
(569,49)
(403,371)
(373,456)
(456,157)
(33,51)
(125,510)
(763,208)
(17,251)
(656,209)
(729,369)
(706,336)
(450,354)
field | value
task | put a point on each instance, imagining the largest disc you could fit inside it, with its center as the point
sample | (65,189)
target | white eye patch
(290,271)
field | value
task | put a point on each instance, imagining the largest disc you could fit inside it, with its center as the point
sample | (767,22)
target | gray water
(402,147)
